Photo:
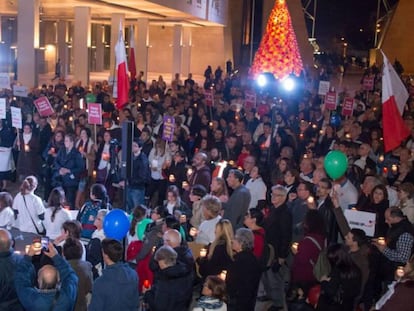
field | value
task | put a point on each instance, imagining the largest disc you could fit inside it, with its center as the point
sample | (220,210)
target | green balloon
(90,98)
(336,164)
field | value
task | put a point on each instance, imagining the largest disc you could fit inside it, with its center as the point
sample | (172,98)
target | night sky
(346,18)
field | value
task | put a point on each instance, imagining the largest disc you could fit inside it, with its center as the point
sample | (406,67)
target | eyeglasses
(277,195)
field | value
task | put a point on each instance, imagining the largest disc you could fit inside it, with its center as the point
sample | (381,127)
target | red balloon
(313,295)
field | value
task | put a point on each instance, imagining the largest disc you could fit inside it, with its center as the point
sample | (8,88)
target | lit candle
(203,252)
(26,148)
(381,241)
(394,168)
(171,178)
(105,156)
(65,107)
(52,150)
(321,132)
(154,248)
(348,136)
(195,105)
(381,158)
(189,171)
(223,275)
(147,284)
(311,200)
(294,248)
(193,231)
(314,126)
(37,247)
(70,119)
(301,136)
(94,174)
(210,124)
(400,271)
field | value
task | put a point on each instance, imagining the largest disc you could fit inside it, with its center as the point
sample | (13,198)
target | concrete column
(81,44)
(186,51)
(62,47)
(141,36)
(100,48)
(116,20)
(27,41)
(176,46)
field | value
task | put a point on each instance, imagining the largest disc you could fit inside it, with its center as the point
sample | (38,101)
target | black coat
(242,281)
(219,261)
(173,290)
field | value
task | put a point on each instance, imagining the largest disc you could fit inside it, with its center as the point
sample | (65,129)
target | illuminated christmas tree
(278,52)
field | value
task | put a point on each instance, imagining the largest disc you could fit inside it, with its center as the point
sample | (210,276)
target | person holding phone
(59,279)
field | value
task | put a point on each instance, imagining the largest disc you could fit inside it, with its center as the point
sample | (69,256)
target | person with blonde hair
(211,207)
(220,253)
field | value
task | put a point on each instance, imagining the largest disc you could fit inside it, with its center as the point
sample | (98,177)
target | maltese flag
(394,98)
(131,60)
(122,71)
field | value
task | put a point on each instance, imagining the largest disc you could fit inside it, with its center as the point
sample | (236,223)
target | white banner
(16,114)
(20,91)
(361,220)
(4,80)
(323,87)
(5,159)
(2,108)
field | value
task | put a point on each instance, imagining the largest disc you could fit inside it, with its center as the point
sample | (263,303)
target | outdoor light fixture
(288,84)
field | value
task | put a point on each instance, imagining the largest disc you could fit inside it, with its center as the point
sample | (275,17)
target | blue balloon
(116,224)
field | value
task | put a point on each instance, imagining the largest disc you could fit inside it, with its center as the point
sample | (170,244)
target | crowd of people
(236,207)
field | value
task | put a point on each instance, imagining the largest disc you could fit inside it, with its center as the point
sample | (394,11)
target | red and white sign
(330,101)
(208,94)
(368,83)
(348,106)
(250,100)
(94,113)
(43,106)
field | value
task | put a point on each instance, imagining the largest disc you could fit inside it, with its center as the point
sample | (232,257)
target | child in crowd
(213,295)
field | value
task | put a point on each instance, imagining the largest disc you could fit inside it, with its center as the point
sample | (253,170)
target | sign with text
(330,101)
(168,128)
(43,106)
(348,106)
(361,220)
(94,113)
(250,100)
(2,108)
(4,80)
(323,87)
(20,91)
(16,115)
(368,83)
(209,96)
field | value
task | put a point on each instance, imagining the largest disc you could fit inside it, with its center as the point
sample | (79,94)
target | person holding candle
(220,253)
(28,161)
(174,287)
(103,157)
(400,293)
(399,243)
(85,146)
(49,154)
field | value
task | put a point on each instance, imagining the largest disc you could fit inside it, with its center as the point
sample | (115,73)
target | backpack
(268,255)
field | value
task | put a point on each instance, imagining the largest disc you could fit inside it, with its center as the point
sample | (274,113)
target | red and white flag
(122,72)
(394,98)
(131,60)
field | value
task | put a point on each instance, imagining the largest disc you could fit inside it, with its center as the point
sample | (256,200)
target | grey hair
(281,189)
(246,238)
(103,212)
(166,253)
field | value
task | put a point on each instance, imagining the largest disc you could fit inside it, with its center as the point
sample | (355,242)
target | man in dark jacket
(8,263)
(57,284)
(173,290)
(201,175)
(278,227)
(68,167)
(236,207)
(117,288)
(141,176)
